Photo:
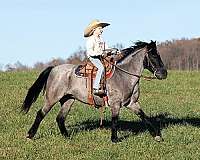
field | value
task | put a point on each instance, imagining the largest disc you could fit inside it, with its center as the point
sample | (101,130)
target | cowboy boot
(98,92)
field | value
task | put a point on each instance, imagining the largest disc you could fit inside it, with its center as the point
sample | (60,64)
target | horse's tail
(35,89)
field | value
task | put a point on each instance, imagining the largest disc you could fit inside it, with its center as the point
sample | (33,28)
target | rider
(95,47)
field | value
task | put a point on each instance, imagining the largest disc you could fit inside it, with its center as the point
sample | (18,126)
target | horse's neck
(133,63)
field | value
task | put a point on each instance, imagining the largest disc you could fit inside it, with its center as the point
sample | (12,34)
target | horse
(61,84)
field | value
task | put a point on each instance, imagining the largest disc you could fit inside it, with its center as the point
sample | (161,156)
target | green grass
(174,104)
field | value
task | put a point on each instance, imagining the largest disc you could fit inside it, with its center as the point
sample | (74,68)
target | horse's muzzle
(161,73)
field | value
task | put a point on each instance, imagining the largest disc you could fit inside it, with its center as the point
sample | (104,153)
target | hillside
(173,104)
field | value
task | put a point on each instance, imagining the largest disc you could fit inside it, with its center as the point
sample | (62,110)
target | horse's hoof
(158,138)
(29,136)
(101,127)
(66,135)
(116,140)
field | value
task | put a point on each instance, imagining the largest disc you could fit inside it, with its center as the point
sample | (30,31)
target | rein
(148,78)
(123,70)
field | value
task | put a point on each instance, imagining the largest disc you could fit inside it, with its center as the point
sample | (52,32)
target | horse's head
(153,61)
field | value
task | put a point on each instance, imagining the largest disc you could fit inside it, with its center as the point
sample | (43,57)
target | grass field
(173,104)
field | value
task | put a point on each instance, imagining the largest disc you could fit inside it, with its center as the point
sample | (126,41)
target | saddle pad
(84,70)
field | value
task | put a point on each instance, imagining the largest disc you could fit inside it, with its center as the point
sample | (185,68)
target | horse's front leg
(115,116)
(135,107)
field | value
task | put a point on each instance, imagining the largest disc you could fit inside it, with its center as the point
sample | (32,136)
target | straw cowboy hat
(94,24)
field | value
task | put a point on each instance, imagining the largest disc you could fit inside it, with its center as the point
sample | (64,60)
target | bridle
(150,63)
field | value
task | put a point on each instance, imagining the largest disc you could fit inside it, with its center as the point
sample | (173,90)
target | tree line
(183,54)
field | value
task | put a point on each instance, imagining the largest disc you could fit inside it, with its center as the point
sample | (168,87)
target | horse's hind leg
(66,103)
(39,117)
(135,107)
(114,126)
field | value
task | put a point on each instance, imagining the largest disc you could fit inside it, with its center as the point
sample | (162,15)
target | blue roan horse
(62,85)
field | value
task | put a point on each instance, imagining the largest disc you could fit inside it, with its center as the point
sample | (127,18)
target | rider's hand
(110,52)
(114,51)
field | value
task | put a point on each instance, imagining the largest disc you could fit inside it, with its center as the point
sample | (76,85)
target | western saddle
(88,71)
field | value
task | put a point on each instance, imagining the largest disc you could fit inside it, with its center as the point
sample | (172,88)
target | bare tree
(181,54)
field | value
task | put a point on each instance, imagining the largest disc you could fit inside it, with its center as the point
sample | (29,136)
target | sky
(39,30)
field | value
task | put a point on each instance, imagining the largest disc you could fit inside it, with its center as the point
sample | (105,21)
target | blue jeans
(100,71)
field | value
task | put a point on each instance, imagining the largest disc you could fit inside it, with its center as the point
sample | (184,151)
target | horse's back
(59,78)
(63,68)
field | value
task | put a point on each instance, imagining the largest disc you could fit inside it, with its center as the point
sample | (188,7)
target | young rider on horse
(95,47)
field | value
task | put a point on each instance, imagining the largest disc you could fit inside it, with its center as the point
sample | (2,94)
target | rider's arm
(106,46)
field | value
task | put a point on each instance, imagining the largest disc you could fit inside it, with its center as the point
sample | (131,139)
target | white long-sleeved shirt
(95,46)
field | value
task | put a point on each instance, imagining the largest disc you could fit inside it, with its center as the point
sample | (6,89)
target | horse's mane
(127,51)
(139,45)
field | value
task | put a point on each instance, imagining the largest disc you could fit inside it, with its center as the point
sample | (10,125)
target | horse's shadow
(159,121)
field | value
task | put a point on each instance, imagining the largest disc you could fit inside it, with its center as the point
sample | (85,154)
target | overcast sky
(39,30)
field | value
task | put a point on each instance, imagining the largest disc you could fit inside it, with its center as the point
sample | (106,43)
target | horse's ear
(153,41)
